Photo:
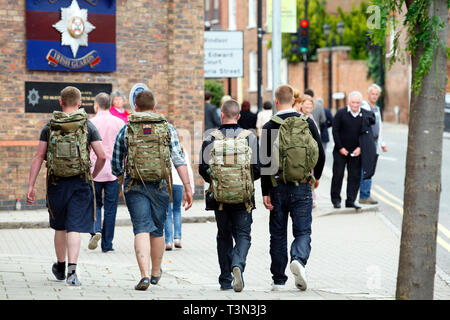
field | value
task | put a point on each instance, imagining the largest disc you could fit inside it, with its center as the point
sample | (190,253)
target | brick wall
(159,43)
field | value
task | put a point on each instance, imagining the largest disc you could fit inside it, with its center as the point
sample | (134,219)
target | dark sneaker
(238,282)
(224,287)
(60,275)
(73,281)
(93,243)
(143,284)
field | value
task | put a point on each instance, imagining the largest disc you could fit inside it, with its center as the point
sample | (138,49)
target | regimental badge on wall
(71,35)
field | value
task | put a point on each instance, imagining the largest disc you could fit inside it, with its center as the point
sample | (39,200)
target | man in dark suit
(212,120)
(347,129)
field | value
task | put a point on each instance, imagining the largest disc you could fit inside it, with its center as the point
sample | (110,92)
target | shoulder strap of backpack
(217,134)
(243,134)
(277,119)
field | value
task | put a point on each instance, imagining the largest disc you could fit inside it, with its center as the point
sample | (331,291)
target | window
(212,14)
(253,72)
(251,14)
(231,14)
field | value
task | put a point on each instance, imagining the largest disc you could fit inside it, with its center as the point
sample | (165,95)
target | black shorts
(71,201)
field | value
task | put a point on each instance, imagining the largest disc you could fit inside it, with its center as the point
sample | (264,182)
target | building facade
(158,43)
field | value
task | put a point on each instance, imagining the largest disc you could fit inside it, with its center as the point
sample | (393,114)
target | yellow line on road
(399,208)
(389,194)
(441,228)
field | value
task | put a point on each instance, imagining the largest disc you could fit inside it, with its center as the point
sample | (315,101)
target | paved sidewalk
(354,256)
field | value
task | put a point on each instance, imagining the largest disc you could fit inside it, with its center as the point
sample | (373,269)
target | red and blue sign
(71,35)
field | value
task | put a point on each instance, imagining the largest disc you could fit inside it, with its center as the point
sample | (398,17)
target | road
(388,187)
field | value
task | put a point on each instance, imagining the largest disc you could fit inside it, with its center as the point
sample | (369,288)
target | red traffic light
(304,23)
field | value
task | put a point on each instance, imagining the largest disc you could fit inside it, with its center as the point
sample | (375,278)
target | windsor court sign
(224,54)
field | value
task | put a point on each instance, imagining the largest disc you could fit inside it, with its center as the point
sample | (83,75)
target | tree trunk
(417,263)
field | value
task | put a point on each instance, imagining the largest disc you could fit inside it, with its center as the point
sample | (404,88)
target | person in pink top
(108,127)
(117,108)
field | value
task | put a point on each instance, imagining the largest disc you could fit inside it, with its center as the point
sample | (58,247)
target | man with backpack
(145,147)
(64,144)
(286,181)
(230,164)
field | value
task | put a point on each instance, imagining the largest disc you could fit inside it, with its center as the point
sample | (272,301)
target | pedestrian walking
(304,105)
(373,93)
(324,135)
(173,224)
(318,112)
(286,181)
(145,146)
(211,118)
(105,182)
(118,101)
(263,117)
(347,129)
(64,144)
(230,164)
(247,120)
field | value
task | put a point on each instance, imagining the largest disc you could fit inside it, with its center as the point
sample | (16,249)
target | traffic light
(304,36)
(301,40)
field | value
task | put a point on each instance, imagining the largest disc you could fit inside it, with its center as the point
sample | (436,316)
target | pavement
(354,257)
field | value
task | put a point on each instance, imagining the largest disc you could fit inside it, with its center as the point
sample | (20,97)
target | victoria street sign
(224,54)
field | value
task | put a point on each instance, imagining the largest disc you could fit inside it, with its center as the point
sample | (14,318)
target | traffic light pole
(259,76)
(305,56)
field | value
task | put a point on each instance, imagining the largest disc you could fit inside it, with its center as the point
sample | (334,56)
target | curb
(369,208)
(119,222)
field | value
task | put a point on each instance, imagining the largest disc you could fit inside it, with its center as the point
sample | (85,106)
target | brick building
(159,43)
(348,75)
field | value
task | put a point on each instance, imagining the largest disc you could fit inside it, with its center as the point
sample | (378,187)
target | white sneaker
(299,273)
(93,243)
(277,287)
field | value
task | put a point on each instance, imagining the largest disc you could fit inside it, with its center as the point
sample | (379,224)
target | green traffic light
(303,50)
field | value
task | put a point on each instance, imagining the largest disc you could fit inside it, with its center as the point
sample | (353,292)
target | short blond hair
(284,94)
(70,96)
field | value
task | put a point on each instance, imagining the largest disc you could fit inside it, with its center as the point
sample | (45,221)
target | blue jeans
(109,203)
(172,226)
(365,186)
(296,201)
(232,224)
(148,206)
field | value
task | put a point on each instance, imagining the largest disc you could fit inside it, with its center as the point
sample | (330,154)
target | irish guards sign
(71,35)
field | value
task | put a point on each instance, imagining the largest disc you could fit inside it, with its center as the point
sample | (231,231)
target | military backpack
(295,149)
(148,143)
(231,173)
(67,150)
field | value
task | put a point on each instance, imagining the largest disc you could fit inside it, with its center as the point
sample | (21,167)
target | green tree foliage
(216,89)
(354,35)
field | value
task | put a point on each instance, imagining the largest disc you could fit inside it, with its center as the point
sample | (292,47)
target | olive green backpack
(148,143)
(67,148)
(295,149)
(67,151)
(231,173)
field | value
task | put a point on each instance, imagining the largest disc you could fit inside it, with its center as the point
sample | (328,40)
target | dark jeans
(109,203)
(232,224)
(353,178)
(289,199)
